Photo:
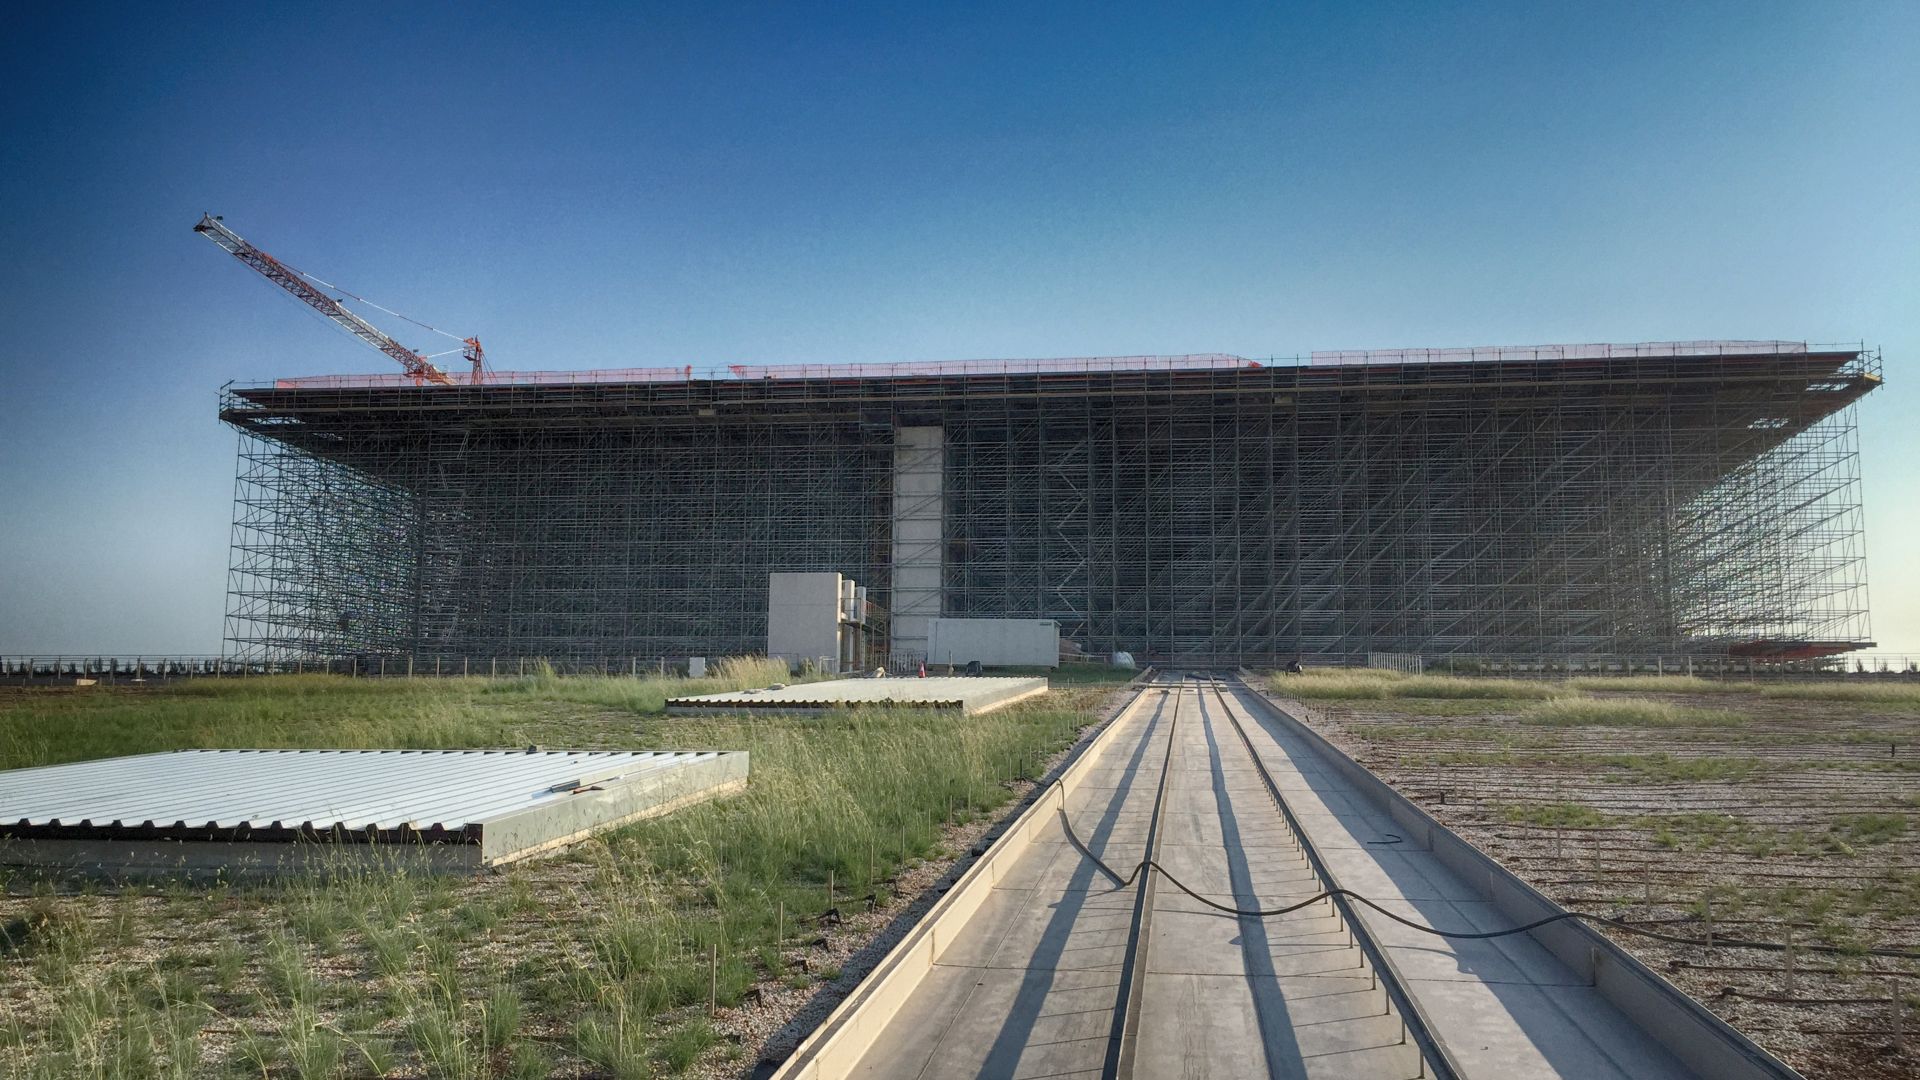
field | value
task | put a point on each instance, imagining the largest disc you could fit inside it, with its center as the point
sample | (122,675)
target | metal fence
(142,669)
(52,668)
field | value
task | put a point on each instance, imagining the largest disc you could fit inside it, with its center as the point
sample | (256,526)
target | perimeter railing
(49,668)
(61,668)
(1867,362)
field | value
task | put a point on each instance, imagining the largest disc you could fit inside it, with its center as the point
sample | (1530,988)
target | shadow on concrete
(1278,1044)
(1011,1040)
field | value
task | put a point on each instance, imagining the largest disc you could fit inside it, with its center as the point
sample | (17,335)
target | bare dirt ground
(1761,817)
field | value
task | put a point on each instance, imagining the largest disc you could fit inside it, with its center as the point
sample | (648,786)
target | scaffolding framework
(1681,498)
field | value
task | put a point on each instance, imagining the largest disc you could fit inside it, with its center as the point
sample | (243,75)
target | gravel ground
(1811,825)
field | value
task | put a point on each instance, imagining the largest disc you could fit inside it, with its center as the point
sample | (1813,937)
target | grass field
(1665,798)
(599,963)
(1352,684)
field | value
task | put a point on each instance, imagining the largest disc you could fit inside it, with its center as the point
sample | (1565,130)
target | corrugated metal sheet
(209,794)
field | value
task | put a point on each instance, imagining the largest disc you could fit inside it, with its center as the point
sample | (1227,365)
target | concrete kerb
(1684,1027)
(542,829)
(844,1038)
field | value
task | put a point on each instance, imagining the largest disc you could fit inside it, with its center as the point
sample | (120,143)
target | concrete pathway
(1033,983)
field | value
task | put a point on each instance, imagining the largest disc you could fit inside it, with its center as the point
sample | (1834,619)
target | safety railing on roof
(787,372)
(102,669)
(1868,363)
(1592,351)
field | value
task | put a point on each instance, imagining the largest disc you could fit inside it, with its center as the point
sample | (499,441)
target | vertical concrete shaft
(919,513)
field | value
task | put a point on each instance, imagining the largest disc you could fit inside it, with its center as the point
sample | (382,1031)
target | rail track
(1184,905)
(1204,725)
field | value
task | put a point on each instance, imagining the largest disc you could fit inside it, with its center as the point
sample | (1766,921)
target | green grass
(330,711)
(1439,708)
(1716,831)
(370,969)
(1668,768)
(1357,684)
(1626,713)
(1491,734)
(1477,757)
(1861,829)
(1622,768)
(1554,815)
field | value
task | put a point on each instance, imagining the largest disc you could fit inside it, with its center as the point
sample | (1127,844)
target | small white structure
(994,642)
(817,615)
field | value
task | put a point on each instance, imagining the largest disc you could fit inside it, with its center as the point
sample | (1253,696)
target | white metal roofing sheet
(324,789)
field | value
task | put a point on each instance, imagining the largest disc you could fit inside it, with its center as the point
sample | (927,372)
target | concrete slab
(957,1025)
(1197,1025)
(971,696)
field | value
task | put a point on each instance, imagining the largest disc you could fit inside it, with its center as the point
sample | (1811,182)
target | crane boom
(422,369)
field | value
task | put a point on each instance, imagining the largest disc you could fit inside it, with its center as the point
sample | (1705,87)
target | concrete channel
(1059,955)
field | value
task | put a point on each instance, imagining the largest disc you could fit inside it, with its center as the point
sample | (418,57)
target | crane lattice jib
(418,366)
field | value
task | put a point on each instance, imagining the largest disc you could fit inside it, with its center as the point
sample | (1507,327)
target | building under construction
(1677,498)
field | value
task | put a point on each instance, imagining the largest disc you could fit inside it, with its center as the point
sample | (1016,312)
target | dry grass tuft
(1626,713)
(1349,684)
(1662,684)
(1876,692)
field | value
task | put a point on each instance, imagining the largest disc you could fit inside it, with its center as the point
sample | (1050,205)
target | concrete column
(919,535)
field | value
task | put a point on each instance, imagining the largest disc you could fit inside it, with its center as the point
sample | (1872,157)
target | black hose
(1463,935)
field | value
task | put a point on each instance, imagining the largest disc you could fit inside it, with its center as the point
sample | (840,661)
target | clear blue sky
(615,185)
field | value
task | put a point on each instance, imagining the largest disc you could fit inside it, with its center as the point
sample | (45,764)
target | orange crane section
(417,365)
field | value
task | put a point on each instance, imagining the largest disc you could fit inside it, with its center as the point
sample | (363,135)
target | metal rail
(1419,1028)
(1123,1038)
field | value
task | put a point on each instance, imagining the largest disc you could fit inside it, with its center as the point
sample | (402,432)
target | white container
(994,642)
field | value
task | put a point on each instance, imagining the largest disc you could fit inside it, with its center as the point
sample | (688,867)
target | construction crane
(300,285)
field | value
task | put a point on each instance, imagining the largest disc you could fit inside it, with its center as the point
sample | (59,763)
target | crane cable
(371,304)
